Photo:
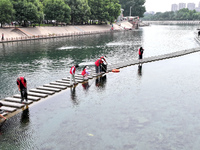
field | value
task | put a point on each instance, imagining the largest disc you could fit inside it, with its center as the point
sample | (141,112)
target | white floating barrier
(17,100)
(11,104)
(29,97)
(55,86)
(37,94)
(48,89)
(42,91)
(8,109)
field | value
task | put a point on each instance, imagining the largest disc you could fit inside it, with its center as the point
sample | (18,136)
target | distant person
(2,112)
(22,86)
(198,33)
(85,72)
(140,52)
(2,37)
(72,72)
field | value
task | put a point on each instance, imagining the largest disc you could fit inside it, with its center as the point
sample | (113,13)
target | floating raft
(12,104)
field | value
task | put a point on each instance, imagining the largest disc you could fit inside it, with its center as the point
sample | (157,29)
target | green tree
(6,11)
(56,10)
(80,11)
(136,7)
(28,10)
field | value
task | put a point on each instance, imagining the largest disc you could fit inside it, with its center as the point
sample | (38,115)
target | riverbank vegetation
(62,12)
(183,14)
(25,12)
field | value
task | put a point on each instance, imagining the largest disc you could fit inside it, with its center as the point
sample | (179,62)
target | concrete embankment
(29,33)
(172,22)
(12,34)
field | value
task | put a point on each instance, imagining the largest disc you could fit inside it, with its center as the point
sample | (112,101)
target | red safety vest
(84,72)
(139,52)
(72,70)
(22,81)
(98,62)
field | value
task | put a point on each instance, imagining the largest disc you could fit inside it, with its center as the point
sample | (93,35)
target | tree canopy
(136,7)
(69,11)
(182,14)
(6,11)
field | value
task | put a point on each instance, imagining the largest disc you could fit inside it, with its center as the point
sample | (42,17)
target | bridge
(13,105)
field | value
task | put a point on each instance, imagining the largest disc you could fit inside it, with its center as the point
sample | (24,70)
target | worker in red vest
(2,111)
(72,72)
(140,52)
(22,86)
(85,72)
(99,62)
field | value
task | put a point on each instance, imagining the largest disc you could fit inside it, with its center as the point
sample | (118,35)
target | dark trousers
(140,56)
(98,69)
(24,94)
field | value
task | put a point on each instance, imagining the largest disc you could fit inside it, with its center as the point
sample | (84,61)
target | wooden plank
(68,79)
(8,109)
(48,89)
(59,83)
(37,94)
(29,97)
(42,91)
(17,100)
(55,86)
(11,104)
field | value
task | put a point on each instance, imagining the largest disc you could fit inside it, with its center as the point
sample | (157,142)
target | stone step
(29,97)
(55,86)
(11,104)
(42,91)
(17,100)
(37,94)
(8,109)
(48,89)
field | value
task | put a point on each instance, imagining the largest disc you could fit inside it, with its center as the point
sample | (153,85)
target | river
(153,107)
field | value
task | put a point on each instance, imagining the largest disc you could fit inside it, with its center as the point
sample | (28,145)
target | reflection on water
(85,85)
(140,70)
(25,116)
(73,95)
(101,82)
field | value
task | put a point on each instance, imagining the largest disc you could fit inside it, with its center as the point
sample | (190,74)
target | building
(174,7)
(191,6)
(181,5)
(197,9)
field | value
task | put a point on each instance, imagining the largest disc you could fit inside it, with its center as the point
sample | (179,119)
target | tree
(56,10)
(80,11)
(104,10)
(28,10)
(137,7)
(6,11)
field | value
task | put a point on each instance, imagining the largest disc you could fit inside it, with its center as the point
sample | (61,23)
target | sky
(165,5)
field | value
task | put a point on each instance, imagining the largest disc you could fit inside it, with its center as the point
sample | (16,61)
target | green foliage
(137,7)
(6,11)
(80,11)
(183,14)
(56,10)
(104,10)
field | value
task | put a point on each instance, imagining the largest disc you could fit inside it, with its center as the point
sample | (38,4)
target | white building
(181,5)
(174,7)
(191,6)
